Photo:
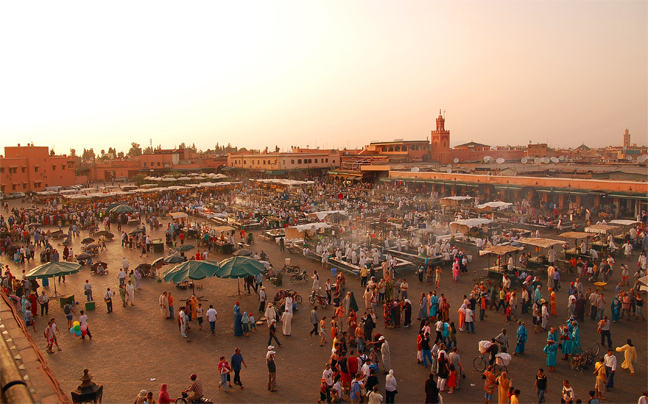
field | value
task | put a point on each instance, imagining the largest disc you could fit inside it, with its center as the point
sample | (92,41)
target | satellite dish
(456,160)
(545,160)
(500,160)
(561,158)
(487,159)
(554,160)
(524,160)
(642,158)
(629,158)
(415,169)
(449,170)
(537,160)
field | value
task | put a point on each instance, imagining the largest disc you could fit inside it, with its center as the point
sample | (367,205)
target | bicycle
(481,363)
(582,360)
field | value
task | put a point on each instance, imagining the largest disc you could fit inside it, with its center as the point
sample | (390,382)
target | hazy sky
(327,74)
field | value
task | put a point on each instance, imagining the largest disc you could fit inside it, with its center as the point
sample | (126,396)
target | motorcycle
(302,276)
(184,400)
(318,299)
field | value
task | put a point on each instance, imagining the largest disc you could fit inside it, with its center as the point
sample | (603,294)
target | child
(199,315)
(323,388)
(252,322)
(452,380)
(337,388)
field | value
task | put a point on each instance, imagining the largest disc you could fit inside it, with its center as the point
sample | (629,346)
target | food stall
(576,251)
(600,242)
(539,261)
(221,236)
(625,225)
(500,266)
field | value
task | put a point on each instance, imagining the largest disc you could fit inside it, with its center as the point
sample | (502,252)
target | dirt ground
(134,348)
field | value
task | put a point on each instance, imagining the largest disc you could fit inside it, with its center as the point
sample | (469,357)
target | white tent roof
(494,205)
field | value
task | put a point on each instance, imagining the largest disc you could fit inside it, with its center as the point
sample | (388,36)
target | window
(62,166)
(24,186)
(264,162)
(391,148)
(298,161)
(24,169)
(70,165)
(333,161)
(53,167)
(327,160)
(158,163)
(35,169)
(13,187)
(292,161)
(404,148)
(397,148)
(1,170)
(244,162)
(145,164)
(37,185)
(315,161)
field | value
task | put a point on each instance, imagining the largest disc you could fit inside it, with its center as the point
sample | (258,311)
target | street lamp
(88,391)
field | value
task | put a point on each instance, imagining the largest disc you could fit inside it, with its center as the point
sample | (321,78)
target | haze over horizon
(322,74)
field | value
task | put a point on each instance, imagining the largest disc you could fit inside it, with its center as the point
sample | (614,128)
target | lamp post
(88,391)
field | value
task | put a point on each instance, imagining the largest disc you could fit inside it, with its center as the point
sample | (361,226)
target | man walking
(43,300)
(262,299)
(212,316)
(610,368)
(108,296)
(236,361)
(604,330)
(314,319)
(87,290)
(272,369)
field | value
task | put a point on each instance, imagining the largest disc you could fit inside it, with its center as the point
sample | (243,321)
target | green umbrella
(194,270)
(186,247)
(52,269)
(174,259)
(122,209)
(239,267)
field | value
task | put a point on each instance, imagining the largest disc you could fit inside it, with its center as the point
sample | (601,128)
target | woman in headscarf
(286,320)
(521,339)
(575,336)
(433,305)
(423,310)
(629,354)
(551,350)
(407,309)
(163,301)
(138,279)
(245,322)
(462,317)
(616,309)
(396,313)
(238,327)
(390,387)
(164,398)
(141,397)
(431,391)
(504,384)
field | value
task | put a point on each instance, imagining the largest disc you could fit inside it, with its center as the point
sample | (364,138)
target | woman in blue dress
(565,336)
(434,304)
(616,309)
(575,336)
(238,327)
(552,335)
(551,349)
(521,339)
(423,311)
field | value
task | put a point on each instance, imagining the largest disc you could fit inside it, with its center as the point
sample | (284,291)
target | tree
(148,150)
(103,152)
(52,152)
(120,155)
(138,179)
(72,153)
(135,150)
(88,154)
